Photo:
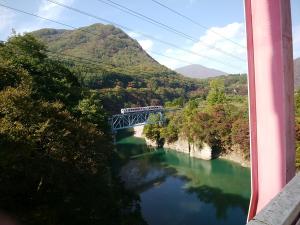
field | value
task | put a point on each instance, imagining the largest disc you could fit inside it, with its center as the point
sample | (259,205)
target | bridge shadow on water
(124,134)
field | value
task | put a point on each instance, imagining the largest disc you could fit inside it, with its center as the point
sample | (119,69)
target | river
(175,189)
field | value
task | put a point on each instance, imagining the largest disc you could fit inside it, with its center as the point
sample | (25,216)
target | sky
(216,41)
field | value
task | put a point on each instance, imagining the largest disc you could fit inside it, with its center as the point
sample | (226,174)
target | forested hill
(104,44)
(105,59)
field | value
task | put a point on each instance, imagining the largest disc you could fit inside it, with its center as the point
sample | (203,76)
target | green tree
(51,81)
(55,156)
(92,111)
(297,102)
(171,131)
(188,123)
(216,94)
(152,130)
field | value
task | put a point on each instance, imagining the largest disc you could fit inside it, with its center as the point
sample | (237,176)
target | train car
(140,109)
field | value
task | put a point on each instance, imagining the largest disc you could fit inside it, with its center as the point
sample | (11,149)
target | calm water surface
(176,189)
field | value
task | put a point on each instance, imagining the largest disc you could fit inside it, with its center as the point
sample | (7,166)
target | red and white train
(140,109)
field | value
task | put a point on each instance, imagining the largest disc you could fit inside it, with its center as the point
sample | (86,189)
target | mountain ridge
(199,71)
(107,44)
(118,69)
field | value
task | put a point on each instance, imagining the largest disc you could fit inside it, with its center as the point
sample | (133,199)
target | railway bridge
(131,117)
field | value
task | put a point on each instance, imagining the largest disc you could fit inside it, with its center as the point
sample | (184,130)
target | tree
(51,81)
(189,112)
(55,155)
(171,131)
(152,130)
(297,102)
(240,136)
(216,94)
(92,111)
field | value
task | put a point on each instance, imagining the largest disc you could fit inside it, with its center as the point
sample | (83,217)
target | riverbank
(204,152)
(175,188)
(236,156)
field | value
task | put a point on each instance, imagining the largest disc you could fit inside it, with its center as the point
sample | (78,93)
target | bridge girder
(129,120)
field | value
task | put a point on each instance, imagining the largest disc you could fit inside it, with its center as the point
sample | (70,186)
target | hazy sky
(223,17)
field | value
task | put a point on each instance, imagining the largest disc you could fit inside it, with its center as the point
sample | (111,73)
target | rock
(204,153)
(138,131)
(182,145)
(151,143)
(236,155)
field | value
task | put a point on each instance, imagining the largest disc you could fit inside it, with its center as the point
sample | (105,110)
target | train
(140,109)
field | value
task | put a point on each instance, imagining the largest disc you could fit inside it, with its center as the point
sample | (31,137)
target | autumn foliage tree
(55,151)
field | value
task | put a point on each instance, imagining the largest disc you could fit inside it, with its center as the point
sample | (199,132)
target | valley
(58,90)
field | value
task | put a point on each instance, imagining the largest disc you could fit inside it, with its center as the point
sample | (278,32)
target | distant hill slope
(297,72)
(105,44)
(116,67)
(198,71)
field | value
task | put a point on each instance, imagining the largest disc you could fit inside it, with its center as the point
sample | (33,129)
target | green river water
(176,189)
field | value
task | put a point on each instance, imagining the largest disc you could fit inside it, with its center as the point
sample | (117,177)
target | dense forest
(56,152)
(122,74)
(221,121)
(56,148)
(109,61)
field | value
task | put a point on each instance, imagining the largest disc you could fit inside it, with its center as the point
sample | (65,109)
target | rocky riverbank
(181,145)
(236,156)
(203,152)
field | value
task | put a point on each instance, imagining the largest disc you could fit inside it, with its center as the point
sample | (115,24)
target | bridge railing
(284,209)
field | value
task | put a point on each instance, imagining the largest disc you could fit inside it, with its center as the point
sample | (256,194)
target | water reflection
(177,189)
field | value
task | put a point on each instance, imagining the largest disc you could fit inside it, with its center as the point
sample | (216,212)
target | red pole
(271,98)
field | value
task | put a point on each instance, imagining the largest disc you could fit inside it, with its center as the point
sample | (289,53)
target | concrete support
(271,98)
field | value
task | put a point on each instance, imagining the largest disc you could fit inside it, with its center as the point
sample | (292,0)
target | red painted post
(271,98)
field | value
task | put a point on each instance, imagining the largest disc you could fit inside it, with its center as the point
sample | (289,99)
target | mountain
(104,58)
(198,71)
(297,72)
(104,44)
(111,63)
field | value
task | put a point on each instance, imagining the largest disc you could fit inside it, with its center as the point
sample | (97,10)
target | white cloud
(233,31)
(169,51)
(146,44)
(47,10)
(6,19)
(133,34)
(51,10)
